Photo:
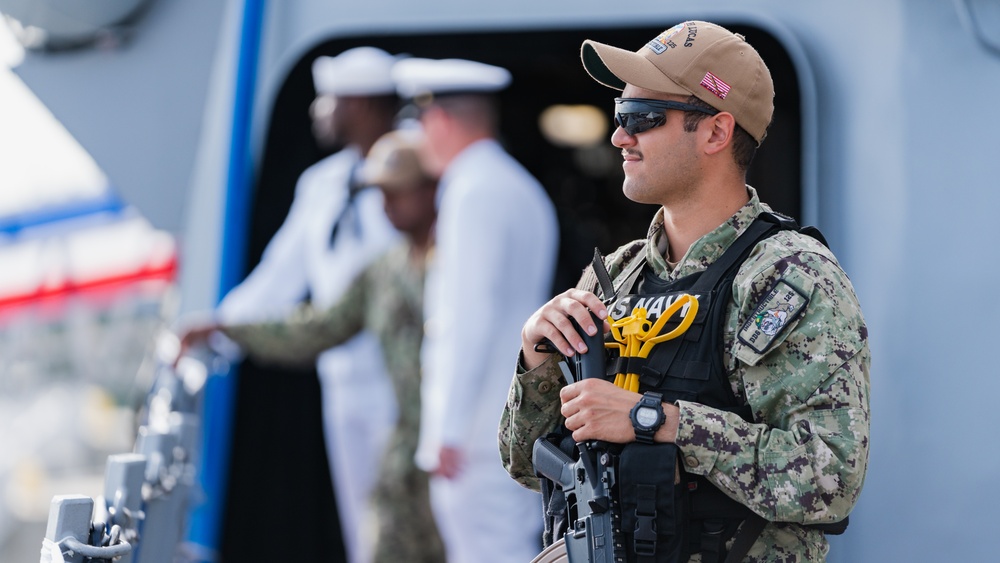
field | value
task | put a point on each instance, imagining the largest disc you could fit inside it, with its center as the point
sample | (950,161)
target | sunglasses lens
(636,115)
(636,122)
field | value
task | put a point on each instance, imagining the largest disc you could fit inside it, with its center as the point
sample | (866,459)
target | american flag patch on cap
(715,85)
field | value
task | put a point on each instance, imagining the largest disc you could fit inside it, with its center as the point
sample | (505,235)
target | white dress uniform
(493,265)
(301,259)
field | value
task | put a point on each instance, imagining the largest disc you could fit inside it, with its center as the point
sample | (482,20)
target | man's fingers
(183,345)
(589,301)
(547,331)
(191,338)
(552,322)
(570,392)
(569,333)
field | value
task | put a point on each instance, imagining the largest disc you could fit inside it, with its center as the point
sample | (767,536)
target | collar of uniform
(705,250)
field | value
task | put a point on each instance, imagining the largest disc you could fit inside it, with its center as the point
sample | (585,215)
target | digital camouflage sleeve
(298,338)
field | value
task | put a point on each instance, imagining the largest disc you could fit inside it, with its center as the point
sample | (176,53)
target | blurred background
(85,287)
(148,151)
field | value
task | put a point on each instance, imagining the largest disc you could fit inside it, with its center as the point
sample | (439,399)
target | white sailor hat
(362,71)
(422,78)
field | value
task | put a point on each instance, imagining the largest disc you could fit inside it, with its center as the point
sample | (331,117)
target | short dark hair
(744,145)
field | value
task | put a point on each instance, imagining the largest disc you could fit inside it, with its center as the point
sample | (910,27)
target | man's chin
(634,192)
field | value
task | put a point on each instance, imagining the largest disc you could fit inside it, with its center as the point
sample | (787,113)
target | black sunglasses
(636,115)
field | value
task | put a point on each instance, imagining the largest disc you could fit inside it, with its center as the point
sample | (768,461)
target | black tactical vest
(660,518)
(689,368)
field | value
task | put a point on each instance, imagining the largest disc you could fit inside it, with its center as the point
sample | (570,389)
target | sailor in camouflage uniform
(793,340)
(387,299)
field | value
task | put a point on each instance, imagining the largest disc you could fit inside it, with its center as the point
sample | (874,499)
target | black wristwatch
(647,417)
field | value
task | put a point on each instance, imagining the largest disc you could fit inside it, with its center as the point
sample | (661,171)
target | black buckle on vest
(644,537)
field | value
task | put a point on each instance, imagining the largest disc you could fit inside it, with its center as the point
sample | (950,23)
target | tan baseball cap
(693,57)
(393,162)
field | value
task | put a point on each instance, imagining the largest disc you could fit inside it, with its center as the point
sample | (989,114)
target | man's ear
(433,118)
(719,131)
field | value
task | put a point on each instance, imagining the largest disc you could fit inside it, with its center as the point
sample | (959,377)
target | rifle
(587,481)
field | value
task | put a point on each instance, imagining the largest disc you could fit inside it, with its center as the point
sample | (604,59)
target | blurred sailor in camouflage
(333,230)
(493,263)
(737,390)
(386,299)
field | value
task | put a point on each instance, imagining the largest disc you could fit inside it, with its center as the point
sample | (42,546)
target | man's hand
(194,336)
(598,410)
(551,321)
(450,462)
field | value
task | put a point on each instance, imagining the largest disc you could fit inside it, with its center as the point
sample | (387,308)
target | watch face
(646,416)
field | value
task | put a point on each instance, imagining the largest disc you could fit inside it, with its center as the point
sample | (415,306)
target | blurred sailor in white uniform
(492,266)
(334,228)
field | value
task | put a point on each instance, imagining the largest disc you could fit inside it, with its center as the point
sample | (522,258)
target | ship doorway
(584,183)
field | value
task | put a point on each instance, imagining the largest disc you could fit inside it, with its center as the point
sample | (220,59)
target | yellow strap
(635,337)
(649,342)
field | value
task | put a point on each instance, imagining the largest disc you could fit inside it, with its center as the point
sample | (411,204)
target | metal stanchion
(141,517)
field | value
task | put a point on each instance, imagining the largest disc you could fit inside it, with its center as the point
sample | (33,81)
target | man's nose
(620,138)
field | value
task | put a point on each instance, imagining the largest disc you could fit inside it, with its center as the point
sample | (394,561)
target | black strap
(603,277)
(733,255)
(632,274)
(814,233)
(354,187)
(712,541)
(745,538)
(628,275)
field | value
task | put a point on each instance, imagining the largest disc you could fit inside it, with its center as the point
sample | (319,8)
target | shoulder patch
(773,314)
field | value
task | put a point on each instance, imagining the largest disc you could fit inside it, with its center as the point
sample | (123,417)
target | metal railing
(147,494)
